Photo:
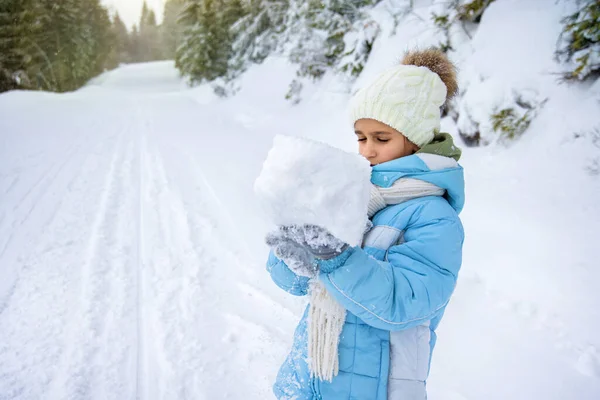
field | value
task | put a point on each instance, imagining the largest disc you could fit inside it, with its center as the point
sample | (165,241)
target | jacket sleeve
(411,286)
(285,278)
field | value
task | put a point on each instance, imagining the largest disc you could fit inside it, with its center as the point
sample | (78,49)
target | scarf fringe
(325,323)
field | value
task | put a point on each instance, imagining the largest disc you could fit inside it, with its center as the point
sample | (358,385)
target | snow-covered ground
(132,255)
(129,266)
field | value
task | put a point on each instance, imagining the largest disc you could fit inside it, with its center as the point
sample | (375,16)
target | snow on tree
(55,46)
(204,50)
(579,45)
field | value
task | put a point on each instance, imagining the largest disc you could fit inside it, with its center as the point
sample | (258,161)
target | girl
(369,330)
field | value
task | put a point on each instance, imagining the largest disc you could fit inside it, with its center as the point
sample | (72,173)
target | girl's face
(379,143)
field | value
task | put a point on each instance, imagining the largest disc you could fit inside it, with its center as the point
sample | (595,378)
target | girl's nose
(369,151)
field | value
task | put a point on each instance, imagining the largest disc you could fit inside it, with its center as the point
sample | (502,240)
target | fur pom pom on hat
(409,96)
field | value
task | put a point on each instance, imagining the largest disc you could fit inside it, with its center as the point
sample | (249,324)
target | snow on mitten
(294,255)
(317,240)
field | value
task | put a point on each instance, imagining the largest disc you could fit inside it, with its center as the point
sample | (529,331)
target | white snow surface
(131,242)
(308,182)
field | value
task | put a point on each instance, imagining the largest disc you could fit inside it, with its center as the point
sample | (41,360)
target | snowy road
(123,273)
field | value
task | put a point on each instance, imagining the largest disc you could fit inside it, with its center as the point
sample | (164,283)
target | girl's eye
(362,140)
(383,140)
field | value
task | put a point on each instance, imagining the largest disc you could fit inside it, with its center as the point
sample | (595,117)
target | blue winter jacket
(395,289)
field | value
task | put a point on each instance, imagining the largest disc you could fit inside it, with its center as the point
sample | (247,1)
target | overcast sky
(130,10)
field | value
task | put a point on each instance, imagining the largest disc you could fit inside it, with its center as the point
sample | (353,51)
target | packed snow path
(120,275)
(132,263)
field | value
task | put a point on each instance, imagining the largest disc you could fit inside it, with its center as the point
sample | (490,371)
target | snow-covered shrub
(488,112)
(593,168)
(595,135)
(449,14)
(293,93)
(511,122)
(357,46)
(591,136)
(443,23)
(472,10)
(579,43)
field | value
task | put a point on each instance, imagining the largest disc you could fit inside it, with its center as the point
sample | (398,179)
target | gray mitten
(315,239)
(294,255)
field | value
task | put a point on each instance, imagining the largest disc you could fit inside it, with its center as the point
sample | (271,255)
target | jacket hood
(442,145)
(435,163)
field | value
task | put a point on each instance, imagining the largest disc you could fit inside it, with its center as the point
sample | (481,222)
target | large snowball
(308,182)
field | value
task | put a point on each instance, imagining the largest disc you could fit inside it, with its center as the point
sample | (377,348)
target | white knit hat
(409,98)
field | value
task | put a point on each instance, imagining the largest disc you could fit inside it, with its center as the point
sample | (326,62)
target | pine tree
(142,50)
(171,31)
(189,21)
(19,35)
(146,39)
(215,41)
(257,34)
(149,43)
(105,54)
(60,45)
(152,39)
(204,51)
(233,12)
(52,45)
(144,17)
(323,25)
(83,59)
(150,20)
(579,42)
(121,39)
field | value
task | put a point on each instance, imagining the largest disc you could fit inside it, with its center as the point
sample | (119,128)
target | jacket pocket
(409,363)
(410,353)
